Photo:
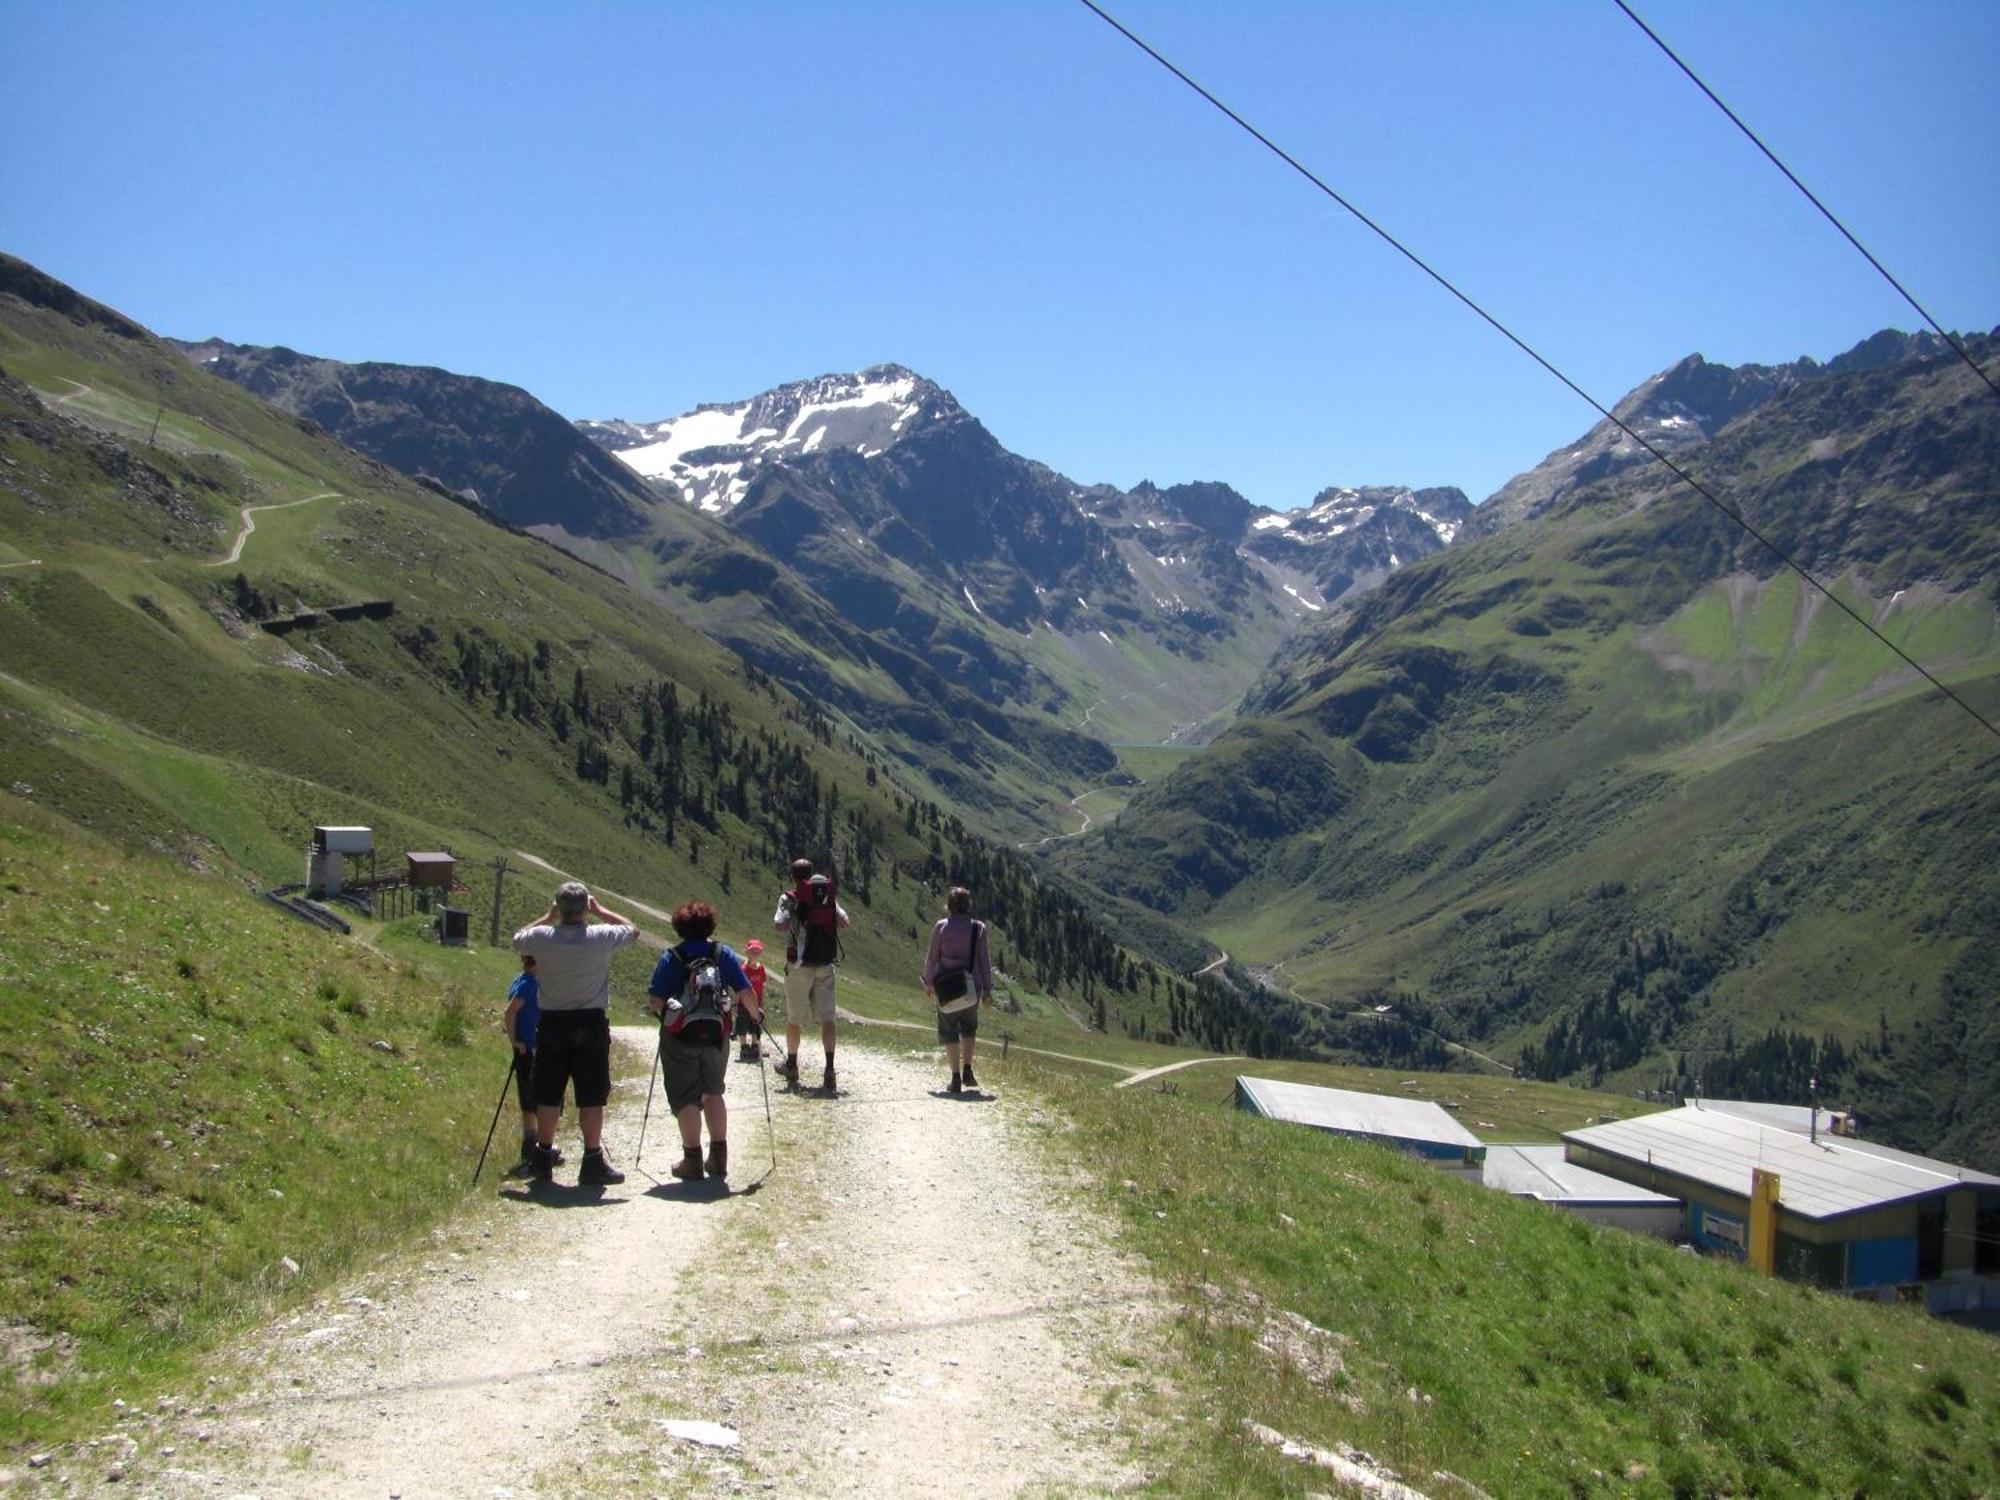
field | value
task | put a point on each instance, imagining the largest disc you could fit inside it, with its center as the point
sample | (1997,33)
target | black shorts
(573,1047)
(524,1080)
(958,1025)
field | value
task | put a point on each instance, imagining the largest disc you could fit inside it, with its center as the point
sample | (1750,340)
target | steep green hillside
(503,697)
(161,1025)
(1611,794)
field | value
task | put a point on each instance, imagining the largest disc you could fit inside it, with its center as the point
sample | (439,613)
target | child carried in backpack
(811,917)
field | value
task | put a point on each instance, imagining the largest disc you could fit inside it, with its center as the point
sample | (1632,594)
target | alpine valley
(1582,781)
(864,539)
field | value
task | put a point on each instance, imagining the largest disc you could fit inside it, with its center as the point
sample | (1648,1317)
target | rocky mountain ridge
(1679,410)
(486,441)
(712,454)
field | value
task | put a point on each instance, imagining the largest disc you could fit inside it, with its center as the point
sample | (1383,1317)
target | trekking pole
(770,1127)
(513,1062)
(658,1043)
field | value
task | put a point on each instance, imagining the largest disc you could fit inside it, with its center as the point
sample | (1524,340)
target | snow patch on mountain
(710,453)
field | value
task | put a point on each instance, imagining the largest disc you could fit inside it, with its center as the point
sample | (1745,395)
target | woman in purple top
(958,974)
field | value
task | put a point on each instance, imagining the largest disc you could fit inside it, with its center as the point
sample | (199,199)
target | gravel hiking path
(911,1303)
(249,513)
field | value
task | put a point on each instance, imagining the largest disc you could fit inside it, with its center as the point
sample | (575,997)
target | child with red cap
(747,1027)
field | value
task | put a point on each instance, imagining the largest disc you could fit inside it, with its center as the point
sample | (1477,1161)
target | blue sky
(630,209)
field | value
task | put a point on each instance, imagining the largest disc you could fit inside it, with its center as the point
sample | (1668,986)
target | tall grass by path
(194,1089)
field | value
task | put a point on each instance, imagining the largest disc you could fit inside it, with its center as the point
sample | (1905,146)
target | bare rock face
(477,439)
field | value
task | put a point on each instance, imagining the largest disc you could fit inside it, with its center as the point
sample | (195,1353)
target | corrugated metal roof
(1543,1172)
(1356,1113)
(1817,1180)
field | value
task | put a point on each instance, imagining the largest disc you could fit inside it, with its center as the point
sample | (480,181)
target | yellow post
(1764,1220)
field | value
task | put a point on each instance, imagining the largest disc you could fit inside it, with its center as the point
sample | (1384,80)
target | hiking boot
(970,1081)
(718,1159)
(789,1070)
(688,1168)
(827,1082)
(955,1086)
(539,1160)
(597,1170)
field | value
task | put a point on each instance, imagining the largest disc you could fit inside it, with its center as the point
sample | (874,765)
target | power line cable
(1811,196)
(1519,343)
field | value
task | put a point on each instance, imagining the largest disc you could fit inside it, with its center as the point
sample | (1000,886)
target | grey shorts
(958,1025)
(693,1070)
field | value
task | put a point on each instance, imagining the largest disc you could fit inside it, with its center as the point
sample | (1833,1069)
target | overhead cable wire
(1811,197)
(1519,343)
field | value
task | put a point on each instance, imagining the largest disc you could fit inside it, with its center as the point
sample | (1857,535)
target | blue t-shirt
(670,973)
(528,990)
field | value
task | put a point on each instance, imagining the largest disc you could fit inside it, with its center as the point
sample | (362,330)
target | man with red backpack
(811,917)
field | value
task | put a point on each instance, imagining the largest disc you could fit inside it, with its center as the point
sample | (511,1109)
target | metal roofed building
(1851,1215)
(1414,1125)
(1545,1174)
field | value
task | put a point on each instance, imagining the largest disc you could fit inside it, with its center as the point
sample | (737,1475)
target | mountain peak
(709,453)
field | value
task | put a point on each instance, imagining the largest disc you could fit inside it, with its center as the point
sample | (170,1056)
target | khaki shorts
(809,993)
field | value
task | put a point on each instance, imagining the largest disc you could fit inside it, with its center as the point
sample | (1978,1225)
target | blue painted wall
(1882,1262)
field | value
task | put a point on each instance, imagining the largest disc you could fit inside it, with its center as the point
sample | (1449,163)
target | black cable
(1519,343)
(1811,197)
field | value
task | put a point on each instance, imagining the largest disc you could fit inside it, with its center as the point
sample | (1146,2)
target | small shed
(1851,1215)
(1414,1125)
(1545,1174)
(430,871)
(327,855)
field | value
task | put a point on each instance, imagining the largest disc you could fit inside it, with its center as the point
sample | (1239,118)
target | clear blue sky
(629,209)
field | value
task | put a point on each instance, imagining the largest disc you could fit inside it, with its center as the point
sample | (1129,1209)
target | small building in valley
(1546,1174)
(1414,1125)
(1851,1215)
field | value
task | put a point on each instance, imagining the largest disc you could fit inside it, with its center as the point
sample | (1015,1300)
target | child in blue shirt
(524,1015)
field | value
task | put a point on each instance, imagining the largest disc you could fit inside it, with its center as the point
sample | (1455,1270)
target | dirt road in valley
(912,1302)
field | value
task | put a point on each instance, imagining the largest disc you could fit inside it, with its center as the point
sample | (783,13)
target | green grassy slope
(1611,795)
(198,1088)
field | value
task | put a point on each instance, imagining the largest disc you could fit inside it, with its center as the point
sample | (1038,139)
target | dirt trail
(250,525)
(910,1303)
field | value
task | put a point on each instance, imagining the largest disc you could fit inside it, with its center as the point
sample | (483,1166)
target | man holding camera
(573,1048)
